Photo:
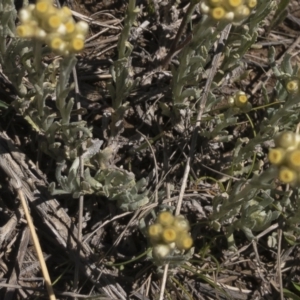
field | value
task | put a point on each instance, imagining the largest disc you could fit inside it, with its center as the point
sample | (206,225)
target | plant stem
(130,18)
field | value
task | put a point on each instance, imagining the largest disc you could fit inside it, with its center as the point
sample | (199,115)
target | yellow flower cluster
(239,100)
(169,233)
(229,10)
(53,26)
(286,156)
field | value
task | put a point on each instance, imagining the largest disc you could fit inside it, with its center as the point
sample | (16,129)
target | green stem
(132,260)
(37,64)
(129,20)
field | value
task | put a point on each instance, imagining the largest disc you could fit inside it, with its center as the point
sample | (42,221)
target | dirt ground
(109,261)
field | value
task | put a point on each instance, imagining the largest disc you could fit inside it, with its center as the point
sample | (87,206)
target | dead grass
(148,145)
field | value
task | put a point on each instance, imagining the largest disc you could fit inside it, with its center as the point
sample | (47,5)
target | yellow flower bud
(25,15)
(77,45)
(56,43)
(287,175)
(204,8)
(241,12)
(235,3)
(240,99)
(218,13)
(252,3)
(82,28)
(25,31)
(293,159)
(230,101)
(169,235)
(292,86)
(181,223)
(154,232)
(184,241)
(276,156)
(285,140)
(160,251)
(54,21)
(70,26)
(214,3)
(42,7)
(40,34)
(66,12)
(165,218)
(229,16)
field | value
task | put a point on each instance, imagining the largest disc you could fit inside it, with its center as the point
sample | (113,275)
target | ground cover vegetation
(149,149)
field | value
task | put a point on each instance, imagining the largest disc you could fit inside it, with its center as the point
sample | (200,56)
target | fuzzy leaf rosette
(169,233)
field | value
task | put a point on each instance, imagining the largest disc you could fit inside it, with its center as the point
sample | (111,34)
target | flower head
(285,140)
(155,231)
(240,99)
(54,26)
(165,218)
(184,241)
(228,10)
(293,159)
(235,3)
(292,86)
(251,3)
(276,156)
(181,223)
(218,13)
(160,251)
(169,235)
(286,156)
(287,175)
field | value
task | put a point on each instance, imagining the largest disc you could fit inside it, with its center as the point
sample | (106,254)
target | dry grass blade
(166,103)
(37,245)
(163,282)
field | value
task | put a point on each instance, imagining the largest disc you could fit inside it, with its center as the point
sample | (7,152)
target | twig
(279,263)
(163,282)
(37,245)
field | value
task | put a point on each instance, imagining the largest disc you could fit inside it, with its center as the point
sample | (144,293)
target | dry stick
(223,37)
(37,245)
(279,263)
(163,282)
